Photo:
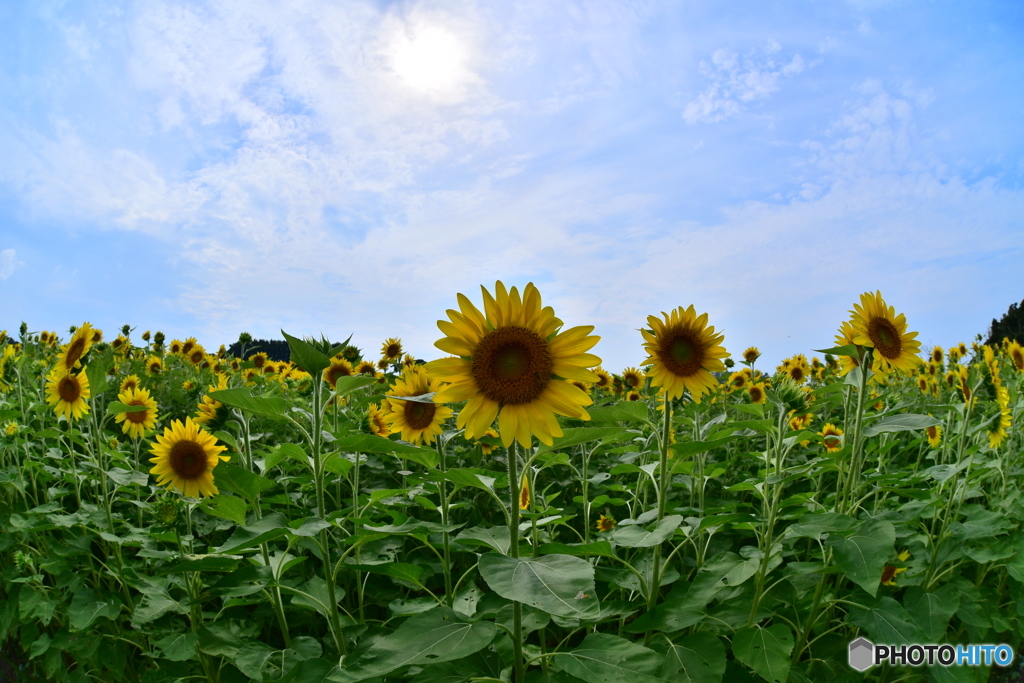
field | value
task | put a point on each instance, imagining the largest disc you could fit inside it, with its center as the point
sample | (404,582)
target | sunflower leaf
(422,398)
(370,443)
(240,397)
(901,423)
(270,527)
(847,350)
(306,356)
(241,481)
(226,507)
(558,584)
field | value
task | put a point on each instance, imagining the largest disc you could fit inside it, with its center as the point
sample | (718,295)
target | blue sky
(348,167)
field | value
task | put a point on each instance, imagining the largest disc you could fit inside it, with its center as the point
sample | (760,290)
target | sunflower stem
(513,548)
(663,479)
(449,596)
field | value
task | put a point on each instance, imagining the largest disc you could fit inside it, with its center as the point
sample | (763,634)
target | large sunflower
(71,353)
(878,326)
(416,420)
(136,424)
(185,456)
(684,351)
(513,364)
(66,392)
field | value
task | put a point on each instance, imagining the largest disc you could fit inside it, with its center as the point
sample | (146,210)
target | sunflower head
(831,436)
(417,420)
(365,367)
(377,421)
(1016,355)
(937,355)
(258,360)
(751,354)
(129,382)
(136,424)
(339,367)
(757,394)
(684,351)
(66,392)
(154,365)
(184,458)
(605,523)
(877,326)
(890,572)
(511,362)
(632,378)
(71,353)
(604,378)
(391,349)
(634,396)
(934,434)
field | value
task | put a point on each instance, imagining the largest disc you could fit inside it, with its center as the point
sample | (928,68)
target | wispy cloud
(8,263)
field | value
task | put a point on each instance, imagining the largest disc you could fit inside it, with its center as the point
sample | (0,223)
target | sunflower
(684,351)
(391,349)
(1016,354)
(512,364)
(581,385)
(377,421)
(487,448)
(417,420)
(951,378)
(937,355)
(632,378)
(524,493)
(846,336)
(751,354)
(797,368)
(934,435)
(235,364)
(953,354)
(961,349)
(270,368)
(129,382)
(383,364)
(604,378)
(67,392)
(339,367)
(190,343)
(738,380)
(933,368)
(997,434)
(196,355)
(258,359)
(120,344)
(365,367)
(878,326)
(922,384)
(963,375)
(408,360)
(890,572)
(633,396)
(605,523)
(154,365)
(209,411)
(757,394)
(146,336)
(185,455)
(71,353)
(11,428)
(831,437)
(138,423)
(175,347)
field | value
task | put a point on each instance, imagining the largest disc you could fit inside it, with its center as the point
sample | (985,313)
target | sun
(430,59)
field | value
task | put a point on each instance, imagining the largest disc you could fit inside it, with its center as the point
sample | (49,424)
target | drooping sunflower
(878,326)
(377,421)
(391,350)
(339,367)
(684,352)
(417,421)
(129,382)
(512,364)
(71,353)
(66,392)
(185,455)
(831,436)
(154,365)
(1016,355)
(890,572)
(211,413)
(632,377)
(136,424)
(999,430)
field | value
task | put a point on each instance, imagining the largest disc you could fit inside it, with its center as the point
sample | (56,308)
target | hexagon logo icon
(862,654)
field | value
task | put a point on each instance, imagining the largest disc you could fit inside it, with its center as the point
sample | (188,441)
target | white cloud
(8,263)
(736,81)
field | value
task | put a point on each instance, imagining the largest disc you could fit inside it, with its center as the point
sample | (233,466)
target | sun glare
(431,60)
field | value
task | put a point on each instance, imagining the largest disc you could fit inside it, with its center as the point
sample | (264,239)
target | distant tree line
(1010,326)
(276,349)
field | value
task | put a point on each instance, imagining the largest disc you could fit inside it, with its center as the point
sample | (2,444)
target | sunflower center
(885,337)
(75,352)
(512,365)
(682,353)
(188,460)
(137,417)
(419,415)
(392,351)
(69,389)
(797,373)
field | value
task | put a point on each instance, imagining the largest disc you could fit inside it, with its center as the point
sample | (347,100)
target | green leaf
(440,635)
(668,617)
(709,579)
(697,658)
(310,526)
(932,610)
(178,647)
(558,584)
(226,507)
(283,452)
(901,423)
(116,408)
(273,407)
(496,537)
(398,570)
(413,526)
(204,563)
(240,480)
(348,384)
(981,523)
(370,443)
(270,527)
(573,436)
(688,448)
(813,525)
(463,477)
(604,658)
(156,603)
(317,596)
(86,607)
(862,556)
(306,356)
(847,350)
(765,650)
(626,411)
(96,373)
(251,659)
(635,536)
(887,622)
(595,549)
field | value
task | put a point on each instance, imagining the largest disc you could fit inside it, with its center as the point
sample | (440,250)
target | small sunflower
(632,378)
(377,421)
(684,351)
(934,435)
(605,523)
(581,385)
(175,347)
(258,360)
(890,572)
(339,367)
(937,354)
(738,380)
(67,392)
(831,436)
(365,367)
(129,382)
(391,349)
(757,393)
(146,336)
(196,355)
(71,354)
(922,384)
(136,424)
(1016,354)
(154,365)
(512,364)
(383,364)
(185,456)
(751,354)
(408,360)
(120,344)
(633,396)
(797,368)
(416,420)
(487,448)
(211,413)
(878,326)
(604,378)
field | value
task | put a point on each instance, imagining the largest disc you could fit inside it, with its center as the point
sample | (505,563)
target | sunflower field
(510,511)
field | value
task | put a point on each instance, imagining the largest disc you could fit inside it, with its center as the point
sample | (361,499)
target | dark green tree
(1009,326)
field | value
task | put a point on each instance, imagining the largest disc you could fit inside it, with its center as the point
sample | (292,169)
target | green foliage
(1010,326)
